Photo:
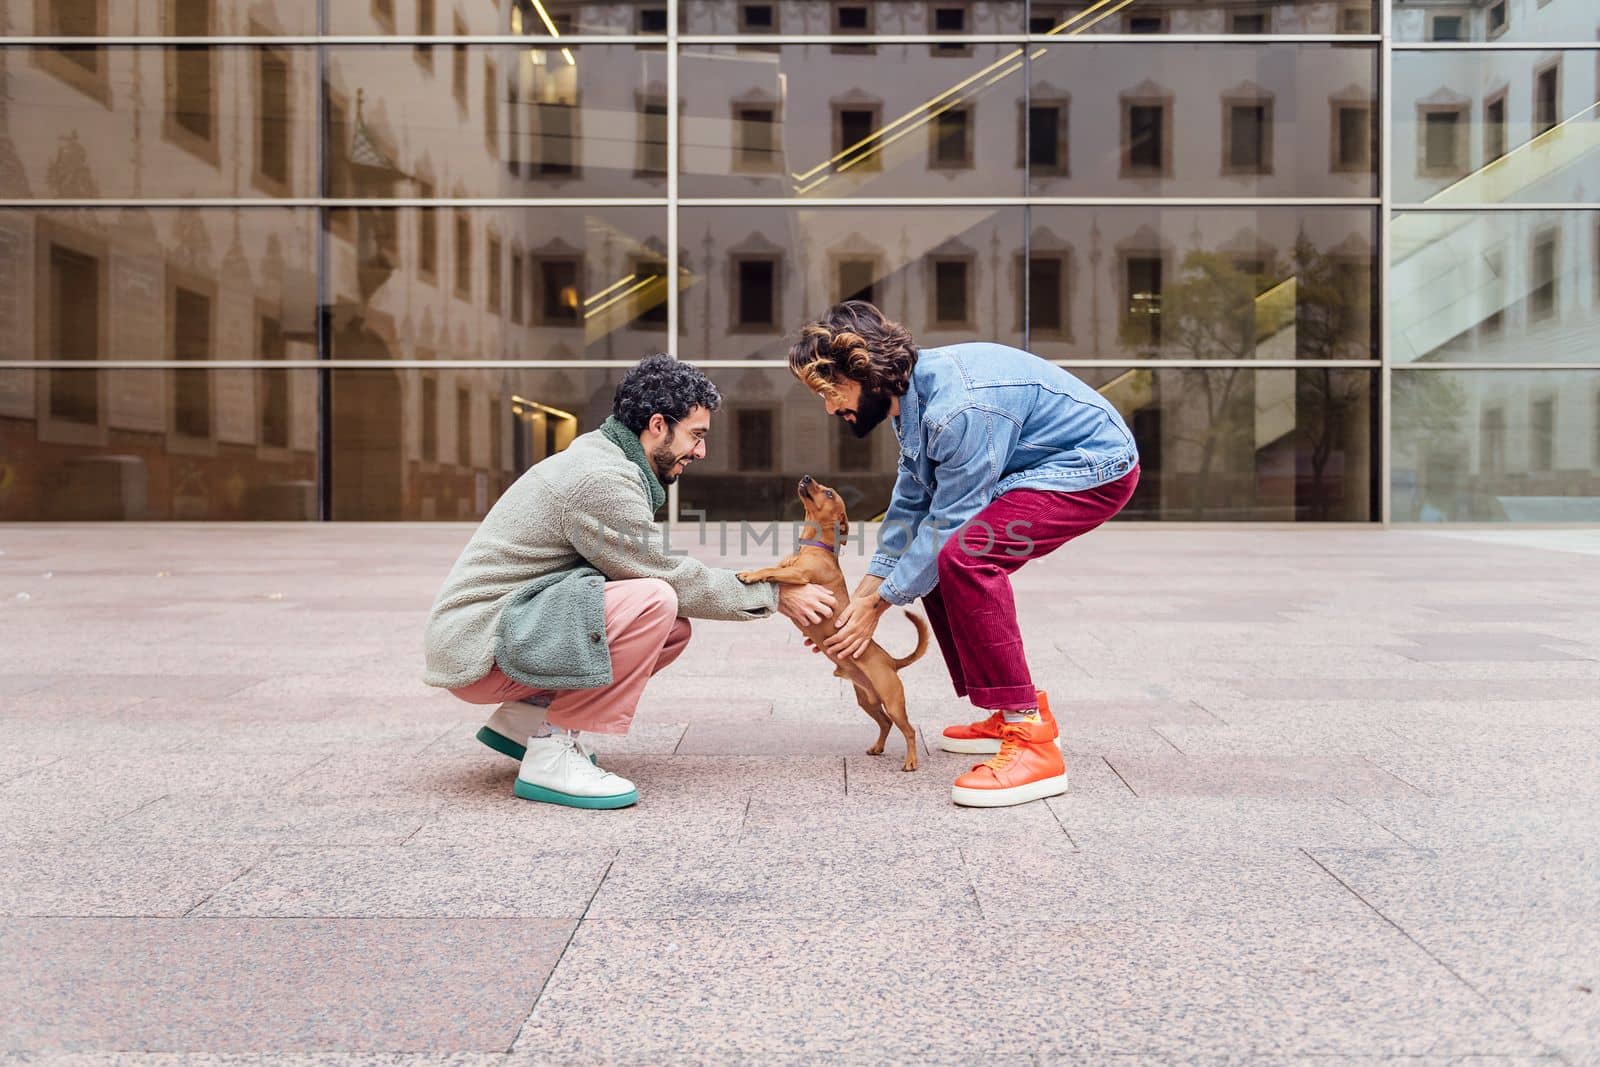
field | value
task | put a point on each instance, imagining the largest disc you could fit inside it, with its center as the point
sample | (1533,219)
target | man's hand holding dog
(805,604)
(858,620)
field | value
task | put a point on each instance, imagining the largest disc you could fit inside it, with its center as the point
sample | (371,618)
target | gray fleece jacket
(593,505)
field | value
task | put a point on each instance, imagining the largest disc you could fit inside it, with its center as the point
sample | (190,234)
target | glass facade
(1334,260)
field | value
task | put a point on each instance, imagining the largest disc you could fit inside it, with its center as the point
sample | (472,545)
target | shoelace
(586,753)
(1010,745)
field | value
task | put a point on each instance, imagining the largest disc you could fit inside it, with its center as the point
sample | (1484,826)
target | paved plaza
(1334,794)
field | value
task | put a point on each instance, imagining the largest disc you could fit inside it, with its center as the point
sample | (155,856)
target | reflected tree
(1333,320)
(1208,313)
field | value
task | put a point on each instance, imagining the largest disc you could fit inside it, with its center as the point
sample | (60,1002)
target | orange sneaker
(983,738)
(1027,767)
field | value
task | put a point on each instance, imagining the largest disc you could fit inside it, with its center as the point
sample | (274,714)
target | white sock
(1021,715)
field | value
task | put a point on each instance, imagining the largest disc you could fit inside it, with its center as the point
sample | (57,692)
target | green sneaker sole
(507,747)
(529,791)
(502,744)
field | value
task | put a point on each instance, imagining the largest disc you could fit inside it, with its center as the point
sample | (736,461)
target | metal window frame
(688,39)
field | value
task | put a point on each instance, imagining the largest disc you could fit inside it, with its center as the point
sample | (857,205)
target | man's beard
(663,459)
(872,409)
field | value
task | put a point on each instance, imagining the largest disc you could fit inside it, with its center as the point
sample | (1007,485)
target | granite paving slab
(484,879)
(1412,885)
(1191,823)
(274,820)
(803,991)
(271,985)
(1542,973)
(1475,823)
(116,879)
(764,878)
(1254,775)
(1109,883)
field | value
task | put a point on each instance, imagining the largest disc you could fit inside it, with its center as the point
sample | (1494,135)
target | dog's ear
(844,531)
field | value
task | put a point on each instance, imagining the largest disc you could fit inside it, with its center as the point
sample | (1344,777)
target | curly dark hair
(661,383)
(854,340)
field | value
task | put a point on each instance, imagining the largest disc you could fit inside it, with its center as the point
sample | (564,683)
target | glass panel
(807,120)
(531,18)
(445,443)
(868,17)
(1240,444)
(1495,20)
(402,450)
(1508,287)
(431,283)
(108,18)
(496,121)
(1496,446)
(121,122)
(1496,127)
(1202,16)
(1234,120)
(1199,283)
(779,432)
(208,445)
(158,283)
(949,273)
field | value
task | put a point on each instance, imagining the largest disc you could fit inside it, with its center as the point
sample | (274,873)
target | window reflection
(1494,446)
(752,274)
(1509,287)
(1495,127)
(199,445)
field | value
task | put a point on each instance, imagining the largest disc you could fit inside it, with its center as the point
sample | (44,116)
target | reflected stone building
(372,260)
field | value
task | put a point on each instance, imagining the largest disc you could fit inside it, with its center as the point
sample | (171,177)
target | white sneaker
(513,720)
(557,770)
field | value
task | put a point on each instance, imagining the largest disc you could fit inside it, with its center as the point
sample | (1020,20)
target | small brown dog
(874,673)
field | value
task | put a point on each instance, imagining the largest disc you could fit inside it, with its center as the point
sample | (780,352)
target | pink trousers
(644,633)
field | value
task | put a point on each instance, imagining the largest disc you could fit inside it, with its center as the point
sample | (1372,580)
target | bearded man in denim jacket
(1003,458)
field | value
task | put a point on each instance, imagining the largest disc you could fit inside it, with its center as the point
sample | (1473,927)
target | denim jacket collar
(908,424)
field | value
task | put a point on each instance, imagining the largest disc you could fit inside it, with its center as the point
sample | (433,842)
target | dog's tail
(922,641)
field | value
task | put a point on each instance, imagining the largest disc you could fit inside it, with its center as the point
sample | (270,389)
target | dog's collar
(819,544)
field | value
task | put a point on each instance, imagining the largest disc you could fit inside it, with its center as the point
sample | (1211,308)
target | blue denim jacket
(978,420)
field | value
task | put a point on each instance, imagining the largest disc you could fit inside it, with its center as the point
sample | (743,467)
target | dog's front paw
(747,577)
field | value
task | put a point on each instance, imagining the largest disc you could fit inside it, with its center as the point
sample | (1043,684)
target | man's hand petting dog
(806,605)
(856,625)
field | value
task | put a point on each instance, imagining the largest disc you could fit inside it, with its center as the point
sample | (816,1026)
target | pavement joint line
(686,728)
(1379,824)
(845,762)
(252,865)
(137,810)
(1487,1000)
(1107,761)
(305,770)
(563,953)
(446,732)
(1207,711)
(966,874)
(1056,815)
(1169,741)
(743,818)
(1072,660)
(31,770)
(1409,785)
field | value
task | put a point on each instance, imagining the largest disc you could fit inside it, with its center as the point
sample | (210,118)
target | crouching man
(565,601)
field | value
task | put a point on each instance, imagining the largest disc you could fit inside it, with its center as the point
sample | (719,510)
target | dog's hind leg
(869,704)
(894,708)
